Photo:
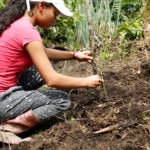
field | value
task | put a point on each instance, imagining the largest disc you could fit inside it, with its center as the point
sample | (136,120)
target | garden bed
(123,103)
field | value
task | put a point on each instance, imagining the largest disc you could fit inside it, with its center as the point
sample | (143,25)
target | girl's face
(47,16)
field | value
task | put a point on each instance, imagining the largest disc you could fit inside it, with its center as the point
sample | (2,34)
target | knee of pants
(64,103)
(67,104)
(2,115)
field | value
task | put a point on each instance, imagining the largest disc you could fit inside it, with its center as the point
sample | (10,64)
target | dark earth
(122,104)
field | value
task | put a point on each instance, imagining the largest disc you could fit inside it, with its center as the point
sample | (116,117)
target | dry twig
(118,125)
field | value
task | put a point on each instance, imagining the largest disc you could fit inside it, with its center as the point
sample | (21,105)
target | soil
(122,104)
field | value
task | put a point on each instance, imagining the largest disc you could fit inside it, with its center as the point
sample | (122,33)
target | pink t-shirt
(13,57)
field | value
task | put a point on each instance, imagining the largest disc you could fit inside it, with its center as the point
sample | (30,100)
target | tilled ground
(121,107)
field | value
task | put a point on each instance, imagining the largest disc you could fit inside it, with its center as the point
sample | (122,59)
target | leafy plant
(63,31)
(2,3)
(110,19)
(131,30)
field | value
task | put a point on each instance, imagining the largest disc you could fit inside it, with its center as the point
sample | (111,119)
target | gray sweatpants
(44,103)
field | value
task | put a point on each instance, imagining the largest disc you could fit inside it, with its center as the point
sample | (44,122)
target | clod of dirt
(145,67)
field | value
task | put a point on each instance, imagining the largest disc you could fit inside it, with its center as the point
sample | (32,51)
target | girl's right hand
(94,81)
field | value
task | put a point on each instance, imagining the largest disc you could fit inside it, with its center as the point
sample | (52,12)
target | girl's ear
(40,6)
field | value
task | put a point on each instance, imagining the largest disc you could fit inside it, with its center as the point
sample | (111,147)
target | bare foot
(14,128)
(11,138)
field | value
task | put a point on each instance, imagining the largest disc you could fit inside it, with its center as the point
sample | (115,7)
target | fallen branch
(118,125)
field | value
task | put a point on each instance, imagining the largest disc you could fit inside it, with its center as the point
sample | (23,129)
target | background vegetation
(111,20)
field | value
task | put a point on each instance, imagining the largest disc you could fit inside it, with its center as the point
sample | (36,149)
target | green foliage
(110,19)
(63,31)
(2,3)
(131,30)
(124,10)
(106,55)
(144,117)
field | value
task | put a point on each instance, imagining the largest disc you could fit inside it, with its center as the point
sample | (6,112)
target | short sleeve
(26,32)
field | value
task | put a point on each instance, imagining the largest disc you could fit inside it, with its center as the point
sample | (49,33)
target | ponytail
(11,12)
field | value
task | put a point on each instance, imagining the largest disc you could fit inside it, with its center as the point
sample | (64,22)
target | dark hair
(13,10)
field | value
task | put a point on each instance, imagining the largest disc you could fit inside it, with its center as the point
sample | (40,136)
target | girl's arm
(39,57)
(54,54)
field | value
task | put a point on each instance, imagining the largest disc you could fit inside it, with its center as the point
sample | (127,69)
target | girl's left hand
(84,56)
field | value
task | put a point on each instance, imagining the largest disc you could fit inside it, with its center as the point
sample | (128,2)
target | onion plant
(108,18)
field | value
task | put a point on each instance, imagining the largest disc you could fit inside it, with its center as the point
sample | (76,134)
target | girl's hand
(94,81)
(83,56)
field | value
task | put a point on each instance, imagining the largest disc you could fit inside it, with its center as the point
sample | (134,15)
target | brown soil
(123,100)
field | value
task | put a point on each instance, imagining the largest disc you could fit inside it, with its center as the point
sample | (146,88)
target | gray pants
(44,103)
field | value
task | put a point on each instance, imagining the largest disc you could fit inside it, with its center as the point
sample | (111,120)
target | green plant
(131,30)
(2,3)
(62,33)
(110,19)
(144,117)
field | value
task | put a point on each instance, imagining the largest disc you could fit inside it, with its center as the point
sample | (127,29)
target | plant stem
(91,33)
(89,19)
(104,87)
(93,46)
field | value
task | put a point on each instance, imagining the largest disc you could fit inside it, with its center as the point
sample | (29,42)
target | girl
(22,106)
